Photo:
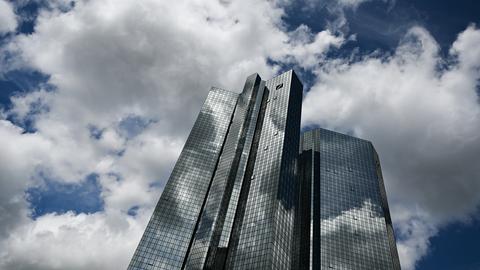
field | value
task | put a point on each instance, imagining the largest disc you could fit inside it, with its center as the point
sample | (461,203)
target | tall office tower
(343,220)
(231,198)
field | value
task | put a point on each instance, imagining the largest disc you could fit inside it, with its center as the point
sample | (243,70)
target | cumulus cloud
(421,111)
(73,241)
(8,21)
(19,159)
(307,49)
(126,80)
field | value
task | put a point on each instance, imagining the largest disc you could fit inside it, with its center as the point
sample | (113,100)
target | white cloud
(109,61)
(70,241)
(415,229)
(421,112)
(20,158)
(8,21)
(307,49)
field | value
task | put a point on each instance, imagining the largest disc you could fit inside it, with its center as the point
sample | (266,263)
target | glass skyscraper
(241,196)
(343,219)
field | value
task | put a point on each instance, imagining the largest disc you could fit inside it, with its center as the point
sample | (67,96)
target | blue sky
(97,98)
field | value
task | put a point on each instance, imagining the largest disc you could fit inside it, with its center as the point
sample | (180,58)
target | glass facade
(242,197)
(168,235)
(346,208)
(263,231)
(228,176)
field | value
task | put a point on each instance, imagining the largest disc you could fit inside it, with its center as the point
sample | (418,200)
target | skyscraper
(242,197)
(343,217)
(229,202)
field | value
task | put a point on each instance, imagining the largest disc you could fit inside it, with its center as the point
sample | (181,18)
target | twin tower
(249,191)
